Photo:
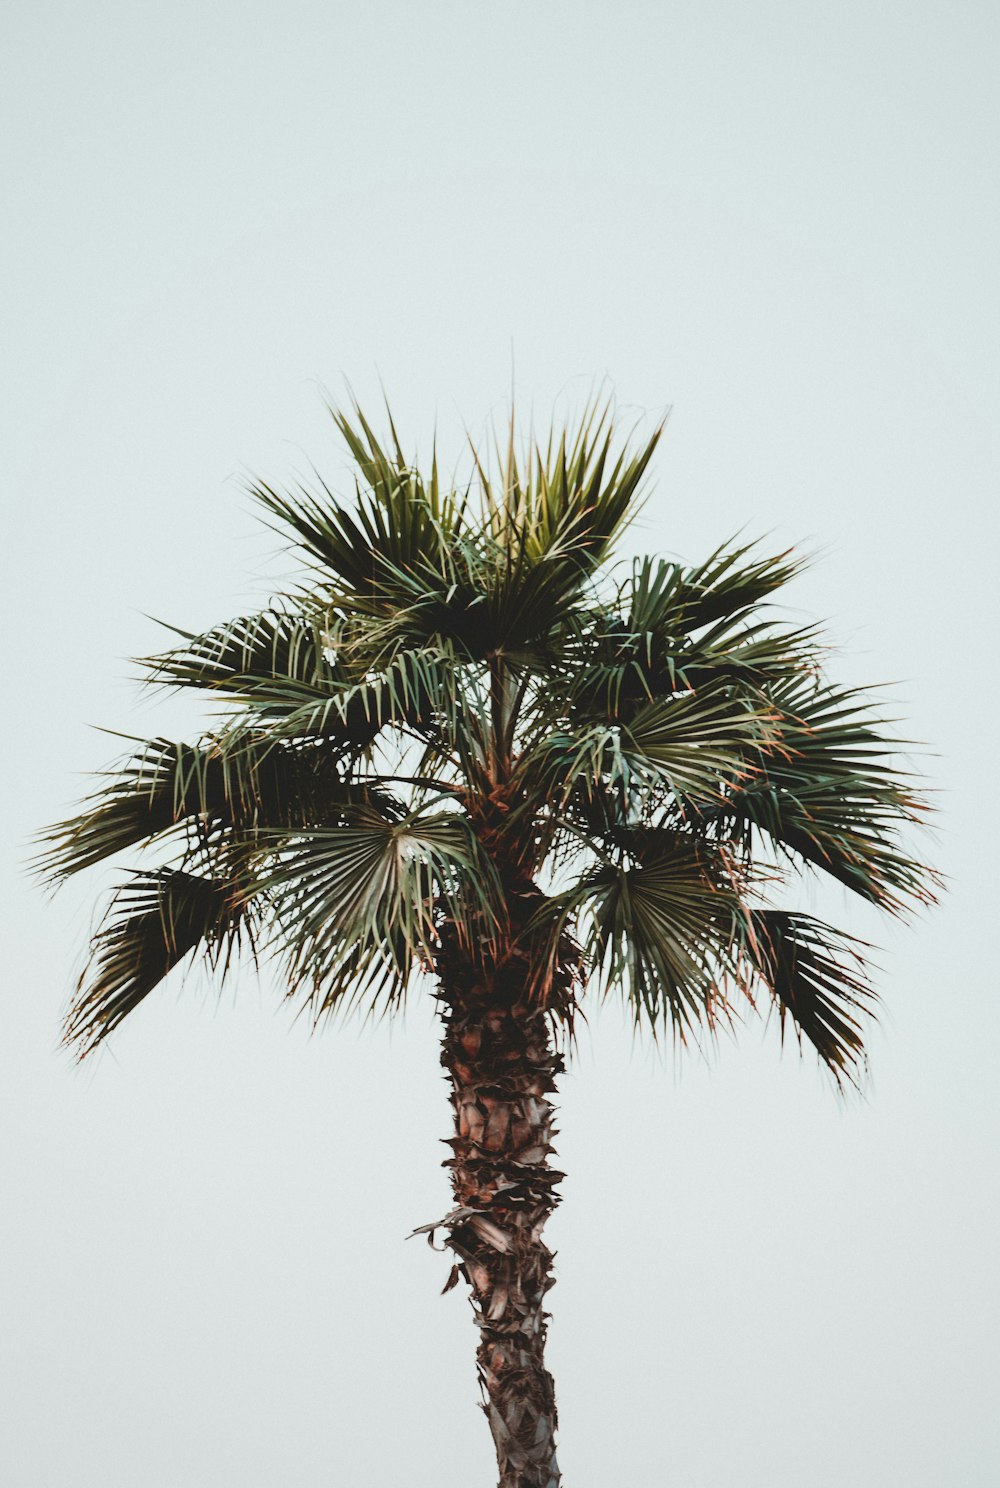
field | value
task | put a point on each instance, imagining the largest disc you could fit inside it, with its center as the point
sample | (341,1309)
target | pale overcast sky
(781,220)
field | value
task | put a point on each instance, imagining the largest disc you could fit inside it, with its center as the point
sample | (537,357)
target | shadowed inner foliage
(471,748)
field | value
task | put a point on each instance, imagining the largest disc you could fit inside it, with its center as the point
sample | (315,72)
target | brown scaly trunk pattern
(499,1054)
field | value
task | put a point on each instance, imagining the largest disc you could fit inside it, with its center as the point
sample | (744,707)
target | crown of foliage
(467,723)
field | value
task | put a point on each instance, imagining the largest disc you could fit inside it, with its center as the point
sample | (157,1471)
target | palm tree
(468,750)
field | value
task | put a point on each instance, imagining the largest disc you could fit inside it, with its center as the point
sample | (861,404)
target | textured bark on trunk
(498,1051)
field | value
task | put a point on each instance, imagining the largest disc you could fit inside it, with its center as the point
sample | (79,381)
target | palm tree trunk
(498,1051)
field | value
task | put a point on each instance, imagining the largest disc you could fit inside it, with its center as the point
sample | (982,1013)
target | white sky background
(780,219)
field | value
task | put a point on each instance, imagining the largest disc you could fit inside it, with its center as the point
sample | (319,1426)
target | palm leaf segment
(464,727)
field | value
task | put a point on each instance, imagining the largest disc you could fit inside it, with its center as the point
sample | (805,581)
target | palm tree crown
(465,722)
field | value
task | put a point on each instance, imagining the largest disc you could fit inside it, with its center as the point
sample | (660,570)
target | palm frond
(374,890)
(830,791)
(671,629)
(296,677)
(675,599)
(279,664)
(554,521)
(816,978)
(261,783)
(241,655)
(154,922)
(400,523)
(663,926)
(411,690)
(688,746)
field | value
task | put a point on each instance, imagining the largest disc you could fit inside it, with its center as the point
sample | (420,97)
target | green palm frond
(688,746)
(613,671)
(663,925)
(731,582)
(816,977)
(164,786)
(653,642)
(149,794)
(829,790)
(247,653)
(281,666)
(399,523)
(374,891)
(553,520)
(572,497)
(415,689)
(664,931)
(154,922)
(298,677)
(674,599)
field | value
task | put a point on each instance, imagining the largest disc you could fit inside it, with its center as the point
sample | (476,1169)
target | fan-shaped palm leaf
(154,922)
(816,977)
